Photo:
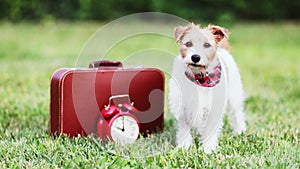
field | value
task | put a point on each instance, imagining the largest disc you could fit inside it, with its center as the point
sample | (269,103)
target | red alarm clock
(119,124)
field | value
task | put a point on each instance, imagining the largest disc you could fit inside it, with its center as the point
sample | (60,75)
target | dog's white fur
(191,104)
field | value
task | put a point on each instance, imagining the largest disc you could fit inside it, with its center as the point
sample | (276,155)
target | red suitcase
(77,97)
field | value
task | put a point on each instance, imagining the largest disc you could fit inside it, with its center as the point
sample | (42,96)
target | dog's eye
(188,44)
(207,45)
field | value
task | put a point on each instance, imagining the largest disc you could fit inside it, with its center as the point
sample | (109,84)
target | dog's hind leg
(237,118)
(236,103)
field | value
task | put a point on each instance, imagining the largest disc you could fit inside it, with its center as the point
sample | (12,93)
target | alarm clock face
(124,129)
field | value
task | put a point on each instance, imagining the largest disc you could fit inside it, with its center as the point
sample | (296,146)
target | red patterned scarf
(207,79)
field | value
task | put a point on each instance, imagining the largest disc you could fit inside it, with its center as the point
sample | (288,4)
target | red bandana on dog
(209,79)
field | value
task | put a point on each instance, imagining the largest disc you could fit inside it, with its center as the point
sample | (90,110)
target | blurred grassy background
(267,54)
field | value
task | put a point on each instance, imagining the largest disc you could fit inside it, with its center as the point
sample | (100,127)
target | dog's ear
(178,33)
(219,32)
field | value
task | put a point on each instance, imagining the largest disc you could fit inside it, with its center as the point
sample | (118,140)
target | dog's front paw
(184,143)
(184,146)
(209,147)
(240,128)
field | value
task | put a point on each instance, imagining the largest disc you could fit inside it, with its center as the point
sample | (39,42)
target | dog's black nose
(196,58)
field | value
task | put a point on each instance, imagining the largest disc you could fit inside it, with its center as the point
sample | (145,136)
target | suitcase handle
(118,96)
(105,63)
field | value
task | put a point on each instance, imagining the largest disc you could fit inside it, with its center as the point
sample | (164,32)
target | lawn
(267,54)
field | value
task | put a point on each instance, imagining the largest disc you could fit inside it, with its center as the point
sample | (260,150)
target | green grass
(268,56)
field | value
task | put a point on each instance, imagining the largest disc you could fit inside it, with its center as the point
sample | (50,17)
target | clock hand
(123,129)
(119,128)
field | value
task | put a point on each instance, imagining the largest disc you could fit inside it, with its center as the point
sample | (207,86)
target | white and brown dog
(204,78)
